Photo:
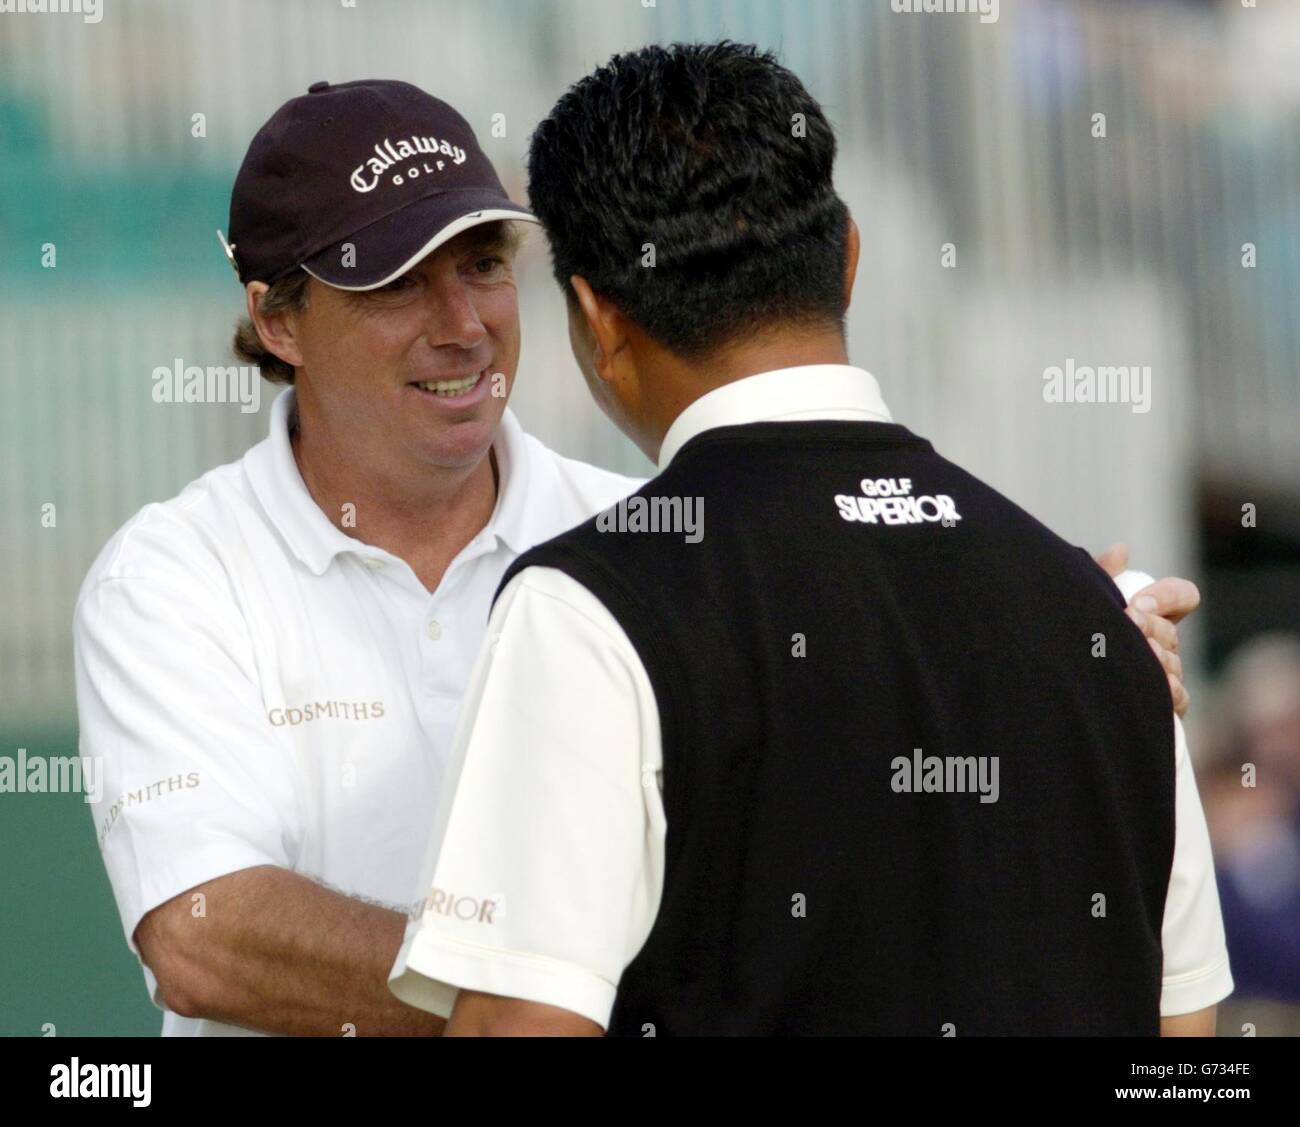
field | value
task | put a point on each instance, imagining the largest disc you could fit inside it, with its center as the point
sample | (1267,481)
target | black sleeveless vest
(918,765)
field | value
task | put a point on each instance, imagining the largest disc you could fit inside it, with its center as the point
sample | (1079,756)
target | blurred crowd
(1250,786)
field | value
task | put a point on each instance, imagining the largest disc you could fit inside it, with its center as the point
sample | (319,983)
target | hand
(1156,609)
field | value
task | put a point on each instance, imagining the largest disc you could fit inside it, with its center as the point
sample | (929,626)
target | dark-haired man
(834,766)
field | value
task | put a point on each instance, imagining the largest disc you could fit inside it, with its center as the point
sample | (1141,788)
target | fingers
(1170,662)
(1156,609)
(1181,698)
(1156,628)
(1172,598)
(1159,634)
(1114,559)
(1162,637)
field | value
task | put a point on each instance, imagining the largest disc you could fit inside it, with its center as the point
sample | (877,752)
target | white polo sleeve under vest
(1196,972)
(195,786)
(546,858)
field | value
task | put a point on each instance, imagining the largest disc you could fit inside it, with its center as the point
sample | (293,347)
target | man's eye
(488,264)
(398,284)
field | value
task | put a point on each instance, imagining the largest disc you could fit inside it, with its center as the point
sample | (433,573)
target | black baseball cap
(358,182)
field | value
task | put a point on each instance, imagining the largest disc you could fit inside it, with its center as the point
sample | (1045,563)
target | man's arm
(277,952)
(487,1015)
(1195,953)
(532,921)
(1196,975)
(168,698)
(1198,1024)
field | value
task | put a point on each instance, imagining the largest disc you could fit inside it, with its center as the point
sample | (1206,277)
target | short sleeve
(547,860)
(194,784)
(1196,972)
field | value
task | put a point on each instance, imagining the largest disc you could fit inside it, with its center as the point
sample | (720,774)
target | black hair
(717,156)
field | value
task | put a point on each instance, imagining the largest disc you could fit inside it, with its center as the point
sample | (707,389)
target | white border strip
(464,223)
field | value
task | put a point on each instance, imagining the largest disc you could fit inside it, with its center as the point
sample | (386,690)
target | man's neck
(425,517)
(679,383)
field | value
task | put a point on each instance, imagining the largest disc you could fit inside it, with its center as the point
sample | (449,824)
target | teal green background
(64,959)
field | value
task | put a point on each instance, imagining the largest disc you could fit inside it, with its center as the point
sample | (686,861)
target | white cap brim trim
(464,223)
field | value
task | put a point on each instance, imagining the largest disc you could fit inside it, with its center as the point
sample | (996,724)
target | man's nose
(452,318)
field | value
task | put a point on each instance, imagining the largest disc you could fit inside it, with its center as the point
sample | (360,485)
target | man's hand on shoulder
(1157,609)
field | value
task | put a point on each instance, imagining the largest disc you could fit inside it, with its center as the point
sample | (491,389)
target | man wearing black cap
(271,665)
(357,183)
(867,751)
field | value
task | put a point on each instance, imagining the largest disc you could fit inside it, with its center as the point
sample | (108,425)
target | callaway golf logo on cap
(356,183)
(388,155)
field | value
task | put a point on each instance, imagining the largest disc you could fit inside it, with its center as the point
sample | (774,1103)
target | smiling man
(270,666)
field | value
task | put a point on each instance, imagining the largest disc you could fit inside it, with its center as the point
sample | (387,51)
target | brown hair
(288,295)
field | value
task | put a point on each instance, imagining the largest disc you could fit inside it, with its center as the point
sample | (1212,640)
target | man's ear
(604,322)
(852,247)
(277,331)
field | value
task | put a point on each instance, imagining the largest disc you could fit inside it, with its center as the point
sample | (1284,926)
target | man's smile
(462,389)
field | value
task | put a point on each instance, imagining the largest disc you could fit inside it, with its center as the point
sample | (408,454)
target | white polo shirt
(266,690)
(546,860)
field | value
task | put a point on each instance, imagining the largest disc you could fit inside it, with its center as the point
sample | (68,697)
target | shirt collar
(519,515)
(814,391)
(313,537)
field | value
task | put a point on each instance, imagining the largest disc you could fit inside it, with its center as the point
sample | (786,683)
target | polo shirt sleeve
(1196,972)
(547,861)
(195,785)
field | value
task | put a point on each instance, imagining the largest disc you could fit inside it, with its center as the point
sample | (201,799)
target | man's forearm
(1198,1024)
(276,952)
(476,1014)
